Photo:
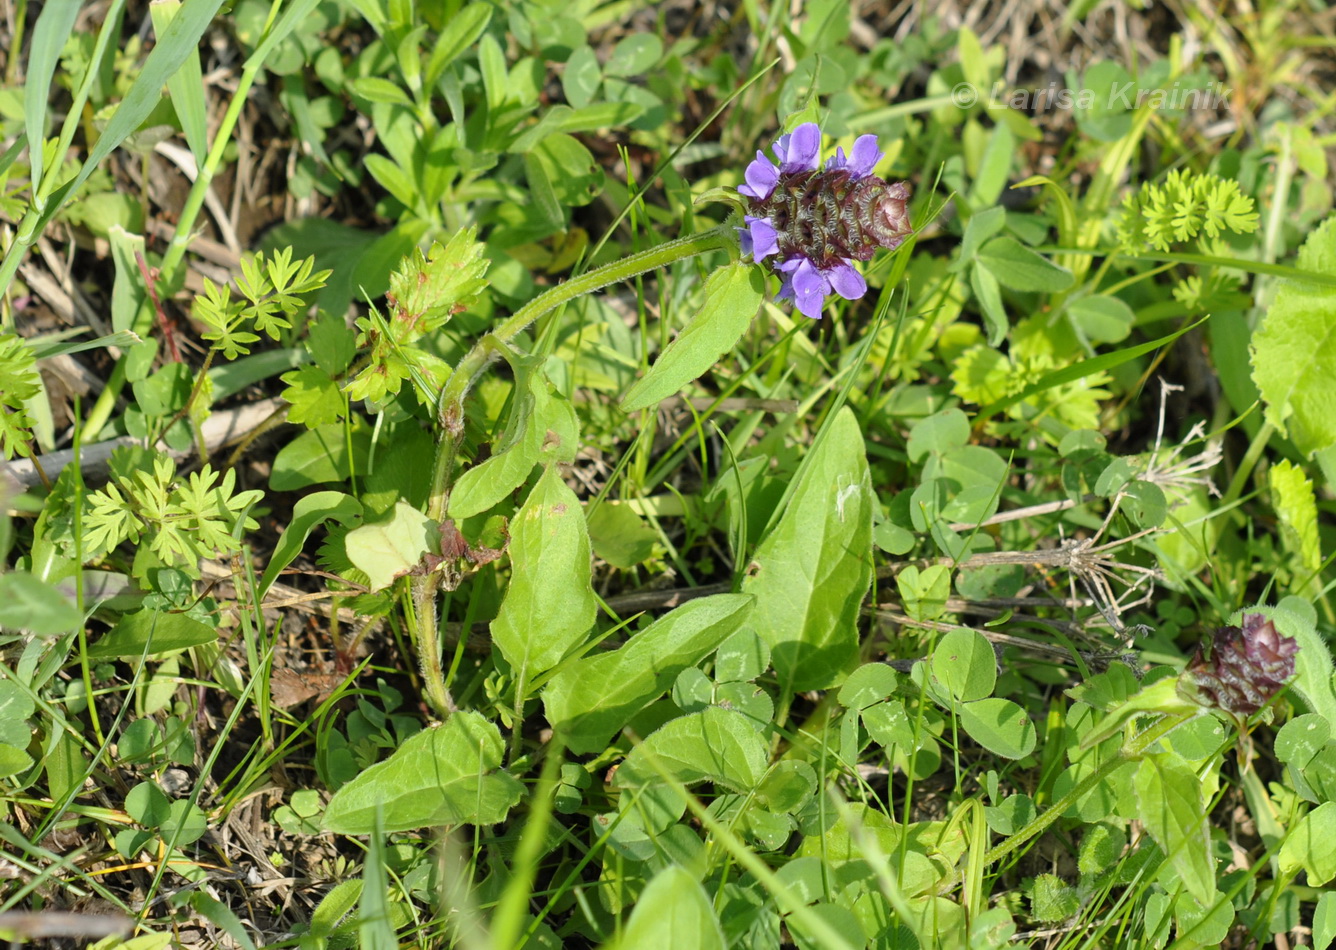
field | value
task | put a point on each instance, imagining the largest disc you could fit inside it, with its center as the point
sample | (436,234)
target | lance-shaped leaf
(591,698)
(549,605)
(1169,801)
(444,775)
(813,570)
(542,426)
(714,745)
(733,294)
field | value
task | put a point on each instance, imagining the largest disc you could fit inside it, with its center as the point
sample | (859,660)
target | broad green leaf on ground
(714,745)
(590,699)
(549,605)
(1292,495)
(964,665)
(1169,800)
(390,549)
(1294,350)
(1000,726)
(160,632)
(1016,266)
(673,911)
(814,568)
(321,455)
(1102,318)
(733,294)
(27,603)
(1309,846)
(1324,921)
(542,426)
(444,775)
(309,512)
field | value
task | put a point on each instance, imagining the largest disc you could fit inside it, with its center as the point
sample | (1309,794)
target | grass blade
(54,25)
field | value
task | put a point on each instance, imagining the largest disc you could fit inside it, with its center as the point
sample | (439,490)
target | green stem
(1130,753)
(450,412)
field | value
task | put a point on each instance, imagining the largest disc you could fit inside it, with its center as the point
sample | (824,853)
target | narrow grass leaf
(549,606)
(814,568)
(733,295)
(186,86)
(589,700)
(444,775)
(54,25)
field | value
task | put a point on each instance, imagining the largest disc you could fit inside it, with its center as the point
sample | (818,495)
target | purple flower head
(1244,667)
(817,221)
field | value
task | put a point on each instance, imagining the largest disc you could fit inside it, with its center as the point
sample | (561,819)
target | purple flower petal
(763,238)
(744,240)
(865,156)
(798,151)
(846,281)
(762,176)
(809,289)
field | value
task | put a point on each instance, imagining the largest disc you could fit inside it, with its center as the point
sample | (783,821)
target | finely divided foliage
(472,543)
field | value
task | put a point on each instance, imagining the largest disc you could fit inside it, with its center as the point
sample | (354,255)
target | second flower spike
(817,221)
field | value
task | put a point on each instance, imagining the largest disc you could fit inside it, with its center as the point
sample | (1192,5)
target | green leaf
(1000,726)
(390,549)
(542,425)
(1294,501)
(13,760)
(426,290)
(54,24)
(814,568)
(380,90)
(1324,921)
(1016,266)
(989,295)
(1294,350)
(582,77)
(964,665)
(185,88)
(634,55)
(309,512)
(316,399)
(1169,801)
(459,34)
(444,775)
(549,605)
(27,603)
(714,745)
(620,536)
(733,295)
(157,631)
(1101,318)
(924,593)
(1308,846)
(673,911)
(588,700)
(870,683)
(320,456)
